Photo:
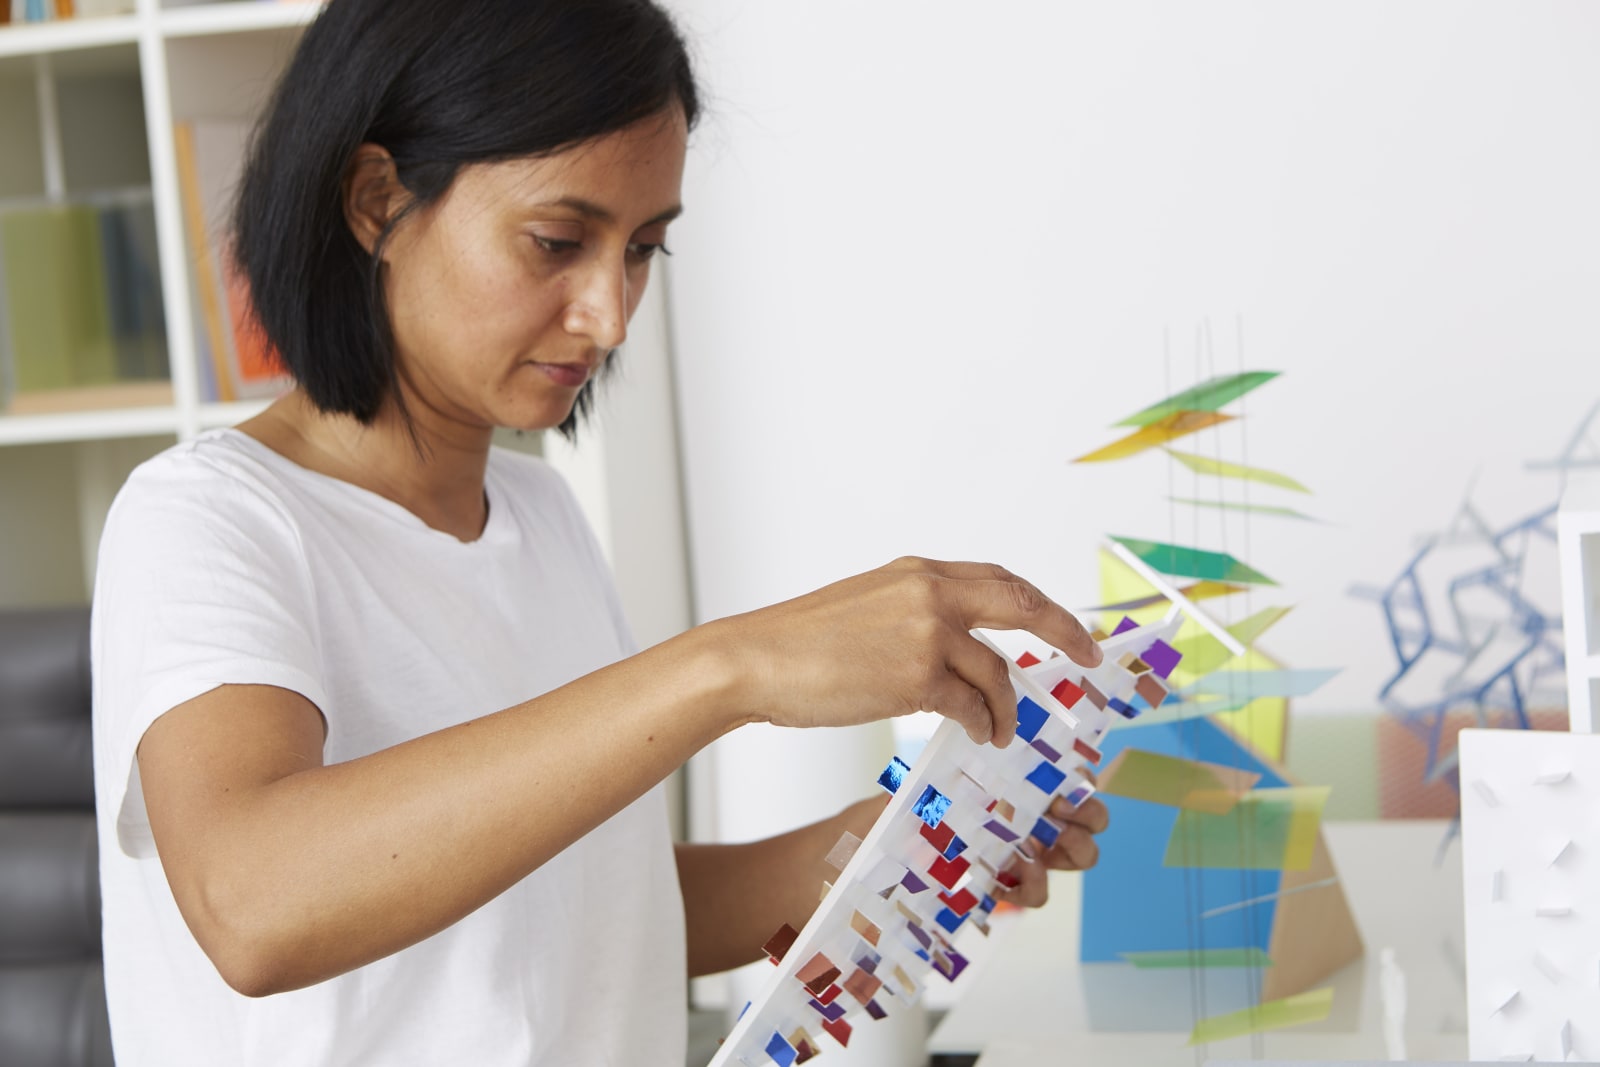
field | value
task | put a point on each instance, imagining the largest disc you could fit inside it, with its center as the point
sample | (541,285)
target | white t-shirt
(224,562)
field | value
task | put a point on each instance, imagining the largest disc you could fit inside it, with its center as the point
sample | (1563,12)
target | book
(133,291)
(210,155)
(57,313)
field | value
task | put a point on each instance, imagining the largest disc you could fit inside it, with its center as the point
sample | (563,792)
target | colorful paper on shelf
(1209,395)
(1275,1015)
(1269,829)
(1216,467)
(1182,562)
(1176,782)
(1199,957)
(1176,425)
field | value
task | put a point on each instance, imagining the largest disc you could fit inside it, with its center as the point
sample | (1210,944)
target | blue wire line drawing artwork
(1467,631)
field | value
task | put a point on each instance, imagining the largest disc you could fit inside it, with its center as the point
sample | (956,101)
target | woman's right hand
(893,641)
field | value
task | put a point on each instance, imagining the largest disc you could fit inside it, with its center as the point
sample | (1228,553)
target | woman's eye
(642,251)
(555,245)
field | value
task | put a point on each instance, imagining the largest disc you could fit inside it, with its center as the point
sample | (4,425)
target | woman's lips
(571,375)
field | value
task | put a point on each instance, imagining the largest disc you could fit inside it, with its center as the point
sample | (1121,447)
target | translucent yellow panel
(1274,1015)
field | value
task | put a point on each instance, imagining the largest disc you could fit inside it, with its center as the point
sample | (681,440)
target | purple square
(1004,833)
(1162,657)
(829,1012)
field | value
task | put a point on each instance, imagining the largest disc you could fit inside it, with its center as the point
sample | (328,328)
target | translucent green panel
(1206,465)
(1269,829)
(1203,957)
(1209,395)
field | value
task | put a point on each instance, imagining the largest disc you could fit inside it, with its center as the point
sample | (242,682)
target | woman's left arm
(736,896)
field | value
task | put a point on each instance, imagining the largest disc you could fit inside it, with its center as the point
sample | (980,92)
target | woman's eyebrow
(590,210)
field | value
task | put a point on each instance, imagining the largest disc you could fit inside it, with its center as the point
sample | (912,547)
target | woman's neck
(440,482)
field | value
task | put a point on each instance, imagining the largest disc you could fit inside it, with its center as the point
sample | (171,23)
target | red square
(1086,750)
(828,995)
(1007,879)
(1027,659)
(939,836)
(1067,693)
(961,903)
(839,1030)
(948,872)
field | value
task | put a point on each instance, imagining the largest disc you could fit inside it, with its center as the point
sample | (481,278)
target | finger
(1013,604)
(1075,850)
(1092,814)
(988,674)
(954,698)
(1033,883)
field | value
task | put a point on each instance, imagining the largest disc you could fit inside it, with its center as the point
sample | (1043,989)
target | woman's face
(507,294)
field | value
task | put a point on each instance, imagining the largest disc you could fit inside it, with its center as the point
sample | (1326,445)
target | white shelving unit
(1579,534)
(130,77)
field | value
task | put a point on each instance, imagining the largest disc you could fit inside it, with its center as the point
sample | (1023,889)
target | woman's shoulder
(221,474)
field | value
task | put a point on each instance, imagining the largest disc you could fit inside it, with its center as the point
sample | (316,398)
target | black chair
(52,985)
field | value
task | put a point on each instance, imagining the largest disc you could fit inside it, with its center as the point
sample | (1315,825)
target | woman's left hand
(1075,850)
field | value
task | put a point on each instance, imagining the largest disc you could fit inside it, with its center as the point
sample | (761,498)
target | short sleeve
(201,582)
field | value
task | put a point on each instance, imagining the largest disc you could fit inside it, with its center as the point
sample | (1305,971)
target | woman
(378,767)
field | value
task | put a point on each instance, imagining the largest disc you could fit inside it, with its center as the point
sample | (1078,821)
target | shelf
(88,425)
(206,20)
(68,35)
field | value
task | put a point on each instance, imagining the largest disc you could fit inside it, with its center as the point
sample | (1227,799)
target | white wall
(932,248)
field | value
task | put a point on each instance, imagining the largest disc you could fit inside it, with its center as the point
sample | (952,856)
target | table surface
(1029,1001)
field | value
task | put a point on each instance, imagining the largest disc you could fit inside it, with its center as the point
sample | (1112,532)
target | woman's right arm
(289,871)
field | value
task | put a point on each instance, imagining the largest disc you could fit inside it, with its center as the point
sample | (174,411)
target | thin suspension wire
(1256,914)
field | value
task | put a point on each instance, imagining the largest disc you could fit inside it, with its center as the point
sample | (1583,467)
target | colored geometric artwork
(1178,783)
(1178,424)
(1253,886)
(1214,862)
(1470,632)
(1207,396)
(958,823)
(1181,562)
(1220,469)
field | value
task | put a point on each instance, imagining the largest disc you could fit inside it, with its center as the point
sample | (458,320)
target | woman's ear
(373,195)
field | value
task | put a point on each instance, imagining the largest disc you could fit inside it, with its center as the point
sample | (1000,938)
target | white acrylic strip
(1171,592)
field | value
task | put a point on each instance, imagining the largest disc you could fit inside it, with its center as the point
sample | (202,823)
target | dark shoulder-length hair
(440,84)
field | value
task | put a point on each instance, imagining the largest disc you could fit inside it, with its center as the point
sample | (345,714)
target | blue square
(986,904)
(957,847)
(1122,708)
(782,1053)
(1047,776)
(1030,719)
(894,774)
(949,920)
(1045,832)
(931,806)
